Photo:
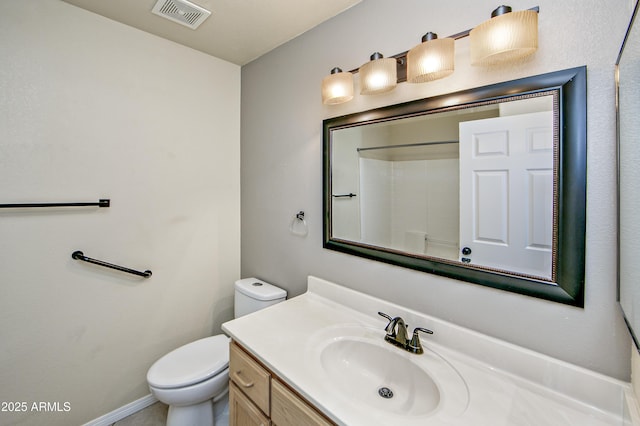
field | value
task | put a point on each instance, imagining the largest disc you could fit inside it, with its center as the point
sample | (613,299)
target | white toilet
(194,379)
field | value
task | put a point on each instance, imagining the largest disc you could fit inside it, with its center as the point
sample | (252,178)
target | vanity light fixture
(506,36)
(379,75)
(430,60)
(337,87)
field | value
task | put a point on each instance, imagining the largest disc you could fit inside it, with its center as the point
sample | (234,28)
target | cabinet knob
(466,251)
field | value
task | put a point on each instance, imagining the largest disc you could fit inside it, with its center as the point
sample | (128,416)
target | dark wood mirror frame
(568,287)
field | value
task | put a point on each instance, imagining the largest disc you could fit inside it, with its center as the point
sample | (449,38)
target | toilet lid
(190,364)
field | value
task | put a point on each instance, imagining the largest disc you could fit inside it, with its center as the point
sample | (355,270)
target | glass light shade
(505,37)
(430,60)
(337,87)
(378,75)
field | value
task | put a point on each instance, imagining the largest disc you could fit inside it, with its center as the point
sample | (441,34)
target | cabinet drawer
(250,377)
(288,409)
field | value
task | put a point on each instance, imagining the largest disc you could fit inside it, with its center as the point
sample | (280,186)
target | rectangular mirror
(472,185)
(628,112)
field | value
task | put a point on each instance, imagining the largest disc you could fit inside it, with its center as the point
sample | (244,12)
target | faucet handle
(414,345)
(382,314)
(389,328)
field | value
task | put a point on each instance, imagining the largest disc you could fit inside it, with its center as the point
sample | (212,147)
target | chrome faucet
(396,331)
(397,334)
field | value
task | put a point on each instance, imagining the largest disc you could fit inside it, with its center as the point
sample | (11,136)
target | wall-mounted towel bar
(100,203)
(78,255)
(350,195)
(406,145)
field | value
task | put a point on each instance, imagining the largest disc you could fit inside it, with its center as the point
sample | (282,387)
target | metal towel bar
(100,203)
(78,255)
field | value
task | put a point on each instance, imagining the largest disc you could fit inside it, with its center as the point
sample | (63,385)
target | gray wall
(281,156)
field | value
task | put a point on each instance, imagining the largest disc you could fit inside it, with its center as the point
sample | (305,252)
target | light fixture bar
(401,58)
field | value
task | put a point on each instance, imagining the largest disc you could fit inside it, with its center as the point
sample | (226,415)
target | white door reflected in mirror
(506,193)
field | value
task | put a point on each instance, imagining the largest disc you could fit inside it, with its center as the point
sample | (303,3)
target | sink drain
(385,392)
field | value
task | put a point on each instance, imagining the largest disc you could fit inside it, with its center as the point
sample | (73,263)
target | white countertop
(507,385)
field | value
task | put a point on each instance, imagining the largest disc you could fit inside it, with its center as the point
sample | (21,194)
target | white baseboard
(124,411)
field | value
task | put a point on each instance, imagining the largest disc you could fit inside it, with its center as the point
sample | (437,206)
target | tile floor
(153,415)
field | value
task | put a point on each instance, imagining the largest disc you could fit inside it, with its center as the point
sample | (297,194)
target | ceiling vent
(181,11)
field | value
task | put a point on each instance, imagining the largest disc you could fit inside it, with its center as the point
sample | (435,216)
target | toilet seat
(190,364)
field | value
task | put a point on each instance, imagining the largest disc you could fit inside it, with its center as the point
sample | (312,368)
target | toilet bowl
(194,379)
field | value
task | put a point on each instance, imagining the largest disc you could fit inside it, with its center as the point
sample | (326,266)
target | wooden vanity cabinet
(258,398)
(242,411)
(288,409)
(250,377)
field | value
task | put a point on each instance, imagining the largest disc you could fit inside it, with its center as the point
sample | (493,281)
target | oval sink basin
(380,377)
(357,365)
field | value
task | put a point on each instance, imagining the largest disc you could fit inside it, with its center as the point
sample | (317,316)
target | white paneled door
(506,193)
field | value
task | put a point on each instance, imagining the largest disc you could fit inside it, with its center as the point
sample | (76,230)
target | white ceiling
(237,31)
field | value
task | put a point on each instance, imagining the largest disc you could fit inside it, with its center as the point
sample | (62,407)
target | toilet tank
(253,294)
